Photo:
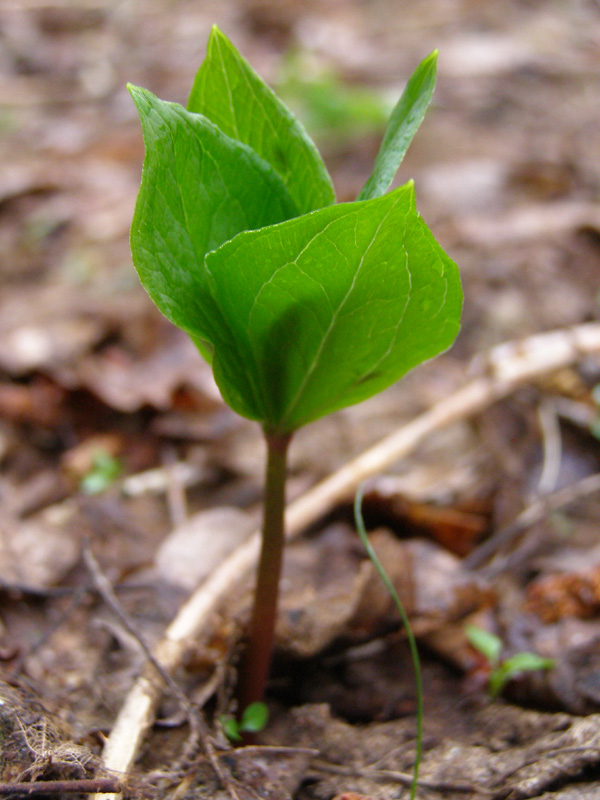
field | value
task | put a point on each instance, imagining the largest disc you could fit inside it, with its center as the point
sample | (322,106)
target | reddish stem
(256,661)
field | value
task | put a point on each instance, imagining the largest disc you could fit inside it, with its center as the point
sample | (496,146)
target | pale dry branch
(495,376)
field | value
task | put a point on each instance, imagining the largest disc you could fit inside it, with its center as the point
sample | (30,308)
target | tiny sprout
(103,473)
(253,720)
(503,670)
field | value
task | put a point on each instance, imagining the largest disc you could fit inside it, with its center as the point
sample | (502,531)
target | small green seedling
(503,670)
(302,306)
(103,473)
(253,720)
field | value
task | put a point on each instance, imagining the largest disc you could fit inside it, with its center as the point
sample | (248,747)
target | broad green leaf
(229,92)
(404,123)
(199,189)
(330,308)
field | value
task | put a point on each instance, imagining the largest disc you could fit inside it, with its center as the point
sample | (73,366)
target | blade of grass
(360,527)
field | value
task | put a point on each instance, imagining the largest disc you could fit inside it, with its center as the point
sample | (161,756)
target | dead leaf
(572,595)
(195,549)
(39,552)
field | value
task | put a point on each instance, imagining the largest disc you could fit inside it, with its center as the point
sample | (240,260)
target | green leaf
(199,189)
(513,666)
(327,309)
(231,728)
(104,472)
(404,123)
(229,92)
(486,643)
(255,717)
(527,662)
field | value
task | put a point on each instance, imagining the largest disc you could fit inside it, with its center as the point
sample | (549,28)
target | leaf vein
(336,314)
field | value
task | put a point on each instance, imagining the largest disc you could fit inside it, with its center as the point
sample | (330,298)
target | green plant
(503,670)
(103,473)
(253,719)
(301,306)
(412,643)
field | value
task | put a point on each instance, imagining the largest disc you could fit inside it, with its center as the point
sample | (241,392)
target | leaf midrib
(309,372)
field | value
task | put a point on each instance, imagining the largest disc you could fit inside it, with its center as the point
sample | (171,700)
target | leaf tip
(427,71)
(216,35)
(214,31)
(429,64)
(137,93)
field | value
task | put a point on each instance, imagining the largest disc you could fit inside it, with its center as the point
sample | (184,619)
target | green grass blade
(360,526)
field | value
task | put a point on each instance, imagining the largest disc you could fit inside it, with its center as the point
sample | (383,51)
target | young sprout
(302,306)
(102,474)
(503,670)
(253,720)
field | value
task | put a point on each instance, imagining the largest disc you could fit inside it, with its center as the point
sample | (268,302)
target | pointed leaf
(515,665)
(255,717)
(527,662)
(229,92)
(199,189)
(404,123)
(486,643)
(328,309)
(231,728)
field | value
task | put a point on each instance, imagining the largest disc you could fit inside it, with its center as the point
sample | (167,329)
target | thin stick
(76,786)
(107,593)
(195,721)
(552,444)
(412,642)
(505,368)
(535,512)
(403,778)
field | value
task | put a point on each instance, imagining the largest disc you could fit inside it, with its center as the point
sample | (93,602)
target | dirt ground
(125,481)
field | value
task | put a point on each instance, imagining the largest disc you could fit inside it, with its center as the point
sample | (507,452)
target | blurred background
(507,155)
(506,168)
(95,387)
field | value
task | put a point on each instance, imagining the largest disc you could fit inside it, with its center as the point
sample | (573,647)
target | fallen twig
(403,778)
(76,786)
(196,723)
(505,368)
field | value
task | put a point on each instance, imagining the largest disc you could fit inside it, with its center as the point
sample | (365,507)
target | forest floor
(123,470)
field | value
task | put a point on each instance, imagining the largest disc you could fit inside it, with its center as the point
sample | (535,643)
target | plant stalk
(256,661)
